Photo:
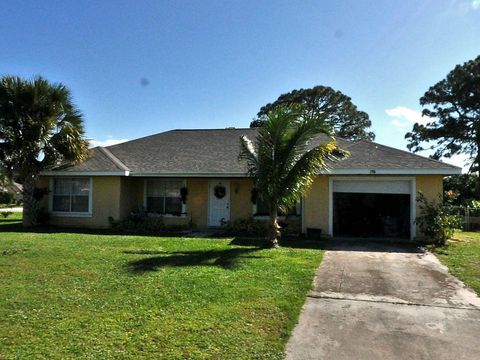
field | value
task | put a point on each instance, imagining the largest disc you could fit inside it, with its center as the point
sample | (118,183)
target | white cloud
(405,116)
(475,4)
(400,124)
(108,142)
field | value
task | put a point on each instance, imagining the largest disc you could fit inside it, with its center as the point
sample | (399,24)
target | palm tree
(39,127)
(283,160)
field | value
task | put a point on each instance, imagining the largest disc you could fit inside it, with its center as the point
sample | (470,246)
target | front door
(219,202)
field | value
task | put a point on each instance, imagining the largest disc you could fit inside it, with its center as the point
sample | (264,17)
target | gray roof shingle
(215,152)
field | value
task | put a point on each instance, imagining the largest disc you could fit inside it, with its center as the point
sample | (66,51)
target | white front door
(219,202)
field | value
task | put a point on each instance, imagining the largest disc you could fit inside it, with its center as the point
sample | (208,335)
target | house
(13,188)
(195,177)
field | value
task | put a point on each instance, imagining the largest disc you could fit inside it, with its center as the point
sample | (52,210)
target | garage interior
(371,210)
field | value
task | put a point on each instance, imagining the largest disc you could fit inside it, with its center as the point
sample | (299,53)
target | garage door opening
(371,215)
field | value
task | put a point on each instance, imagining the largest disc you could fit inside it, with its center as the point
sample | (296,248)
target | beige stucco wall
(131,195)
(197,202)
(432,187)
(316,202)
(240,198)
(315,205)
(116,197)
(105,203)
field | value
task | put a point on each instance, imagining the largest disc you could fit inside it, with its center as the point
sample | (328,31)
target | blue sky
(142,67)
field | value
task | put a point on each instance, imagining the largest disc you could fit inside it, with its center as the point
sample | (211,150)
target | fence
(470,216)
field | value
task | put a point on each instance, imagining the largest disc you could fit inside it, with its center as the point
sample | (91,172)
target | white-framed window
(71,195)
(163,196)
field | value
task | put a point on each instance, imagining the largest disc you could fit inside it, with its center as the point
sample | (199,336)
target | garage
(372,208)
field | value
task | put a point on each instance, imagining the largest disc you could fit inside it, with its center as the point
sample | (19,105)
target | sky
(136,68)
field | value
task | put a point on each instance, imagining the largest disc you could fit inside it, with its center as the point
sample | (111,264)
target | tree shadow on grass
(294,243)
(370,245)
(225,259)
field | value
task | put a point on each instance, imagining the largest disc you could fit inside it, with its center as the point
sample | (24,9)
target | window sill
(71,214)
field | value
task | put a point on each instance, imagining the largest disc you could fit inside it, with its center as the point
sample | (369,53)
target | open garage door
(372,209)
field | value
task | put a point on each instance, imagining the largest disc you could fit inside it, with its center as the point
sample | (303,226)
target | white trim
(413,197)
(358,171)
(374,171)
(84,173)
(113,158)
(184,206)
(190,175)
(88,213)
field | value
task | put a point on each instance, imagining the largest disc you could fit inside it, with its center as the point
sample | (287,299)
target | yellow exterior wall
(197,202)
(131,195)
(240,198)
(432,187)
(315,205)
(117,196)
(105,203)
(316,201)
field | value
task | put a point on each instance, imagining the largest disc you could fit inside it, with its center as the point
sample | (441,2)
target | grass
(462,256)
(66,295)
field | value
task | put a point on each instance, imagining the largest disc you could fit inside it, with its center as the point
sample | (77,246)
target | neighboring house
(372,193)
(13,188)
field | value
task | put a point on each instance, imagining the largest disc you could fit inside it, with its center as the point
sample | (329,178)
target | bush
(436,220)
(7,198)
(246,227)
(6,214)
(137,225)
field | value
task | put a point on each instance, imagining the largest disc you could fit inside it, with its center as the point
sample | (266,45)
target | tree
(460,189)
(453,104)
(282,160)
(39,128)
(321,101)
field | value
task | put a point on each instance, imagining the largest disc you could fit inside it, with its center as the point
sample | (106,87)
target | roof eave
(374,171)
(85,173)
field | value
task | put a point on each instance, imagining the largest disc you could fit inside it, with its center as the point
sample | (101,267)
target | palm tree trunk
(273,229)
(30,204)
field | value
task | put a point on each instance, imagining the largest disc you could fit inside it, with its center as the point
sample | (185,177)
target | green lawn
(462,256)
(99,296)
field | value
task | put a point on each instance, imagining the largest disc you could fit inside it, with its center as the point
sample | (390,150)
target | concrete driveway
(384,302)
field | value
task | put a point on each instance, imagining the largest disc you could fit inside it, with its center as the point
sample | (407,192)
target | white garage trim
(372,184)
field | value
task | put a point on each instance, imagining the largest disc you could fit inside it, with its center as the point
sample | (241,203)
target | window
(71,195)
(163,196)
(261,209)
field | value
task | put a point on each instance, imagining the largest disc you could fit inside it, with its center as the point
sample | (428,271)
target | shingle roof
(215,152)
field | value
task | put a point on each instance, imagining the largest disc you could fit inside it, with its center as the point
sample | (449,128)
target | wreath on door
(220,191)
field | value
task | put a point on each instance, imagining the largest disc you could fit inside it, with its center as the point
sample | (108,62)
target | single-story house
(13,188)
(195,177)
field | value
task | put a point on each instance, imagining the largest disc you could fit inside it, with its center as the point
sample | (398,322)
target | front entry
(218,202)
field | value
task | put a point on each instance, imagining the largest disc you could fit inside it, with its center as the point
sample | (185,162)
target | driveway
(384,302)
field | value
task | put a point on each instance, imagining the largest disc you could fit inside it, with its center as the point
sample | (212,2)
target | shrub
(6,214)
(43,216)
(137,225)
(6,198)
(436,220)
(246,227)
